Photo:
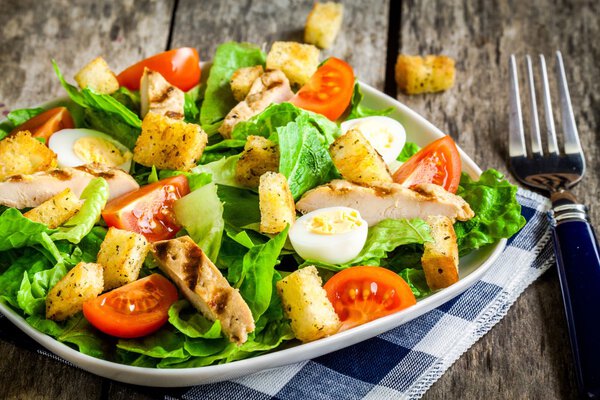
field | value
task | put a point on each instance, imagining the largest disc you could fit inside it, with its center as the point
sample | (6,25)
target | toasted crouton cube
(56,210)
(306,304)
(97,76)
(440,259)
(259,156)
(429,74)
(242,80)
(277,208)
(159,96)
(323,24)
(357,160)
(297,61)
(22,154)
(167,143)
(82,283)
(121,255)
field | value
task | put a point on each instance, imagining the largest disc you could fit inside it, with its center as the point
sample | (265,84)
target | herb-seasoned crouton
(56,210)
(276,203)
(259,156)
(306,304)
(323,24)
(242,80)
(122,254)
(97,76)
(440,259)
(357,160)
(167,143)
(159,96)
(297,61)
(22,154)
(82,283)
(429,74)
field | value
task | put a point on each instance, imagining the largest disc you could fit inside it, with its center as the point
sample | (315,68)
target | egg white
(63,141)
(385,134)
(333,248)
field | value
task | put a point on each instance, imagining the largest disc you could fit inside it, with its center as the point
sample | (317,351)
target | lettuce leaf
(95,195)
(409,150)
(111,124)
(18,117)
(497,212)
(416,280)
(222,171)
(16,231)
(240,206)
(190,105)
(357,110)
(201,214)
(304,156)
(190,322)
(218,98)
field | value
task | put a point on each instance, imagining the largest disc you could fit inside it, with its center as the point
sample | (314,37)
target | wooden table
(527,354)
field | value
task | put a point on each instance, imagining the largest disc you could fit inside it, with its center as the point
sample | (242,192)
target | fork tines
(517,146)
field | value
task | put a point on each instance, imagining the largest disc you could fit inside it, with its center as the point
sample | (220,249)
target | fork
(575,242)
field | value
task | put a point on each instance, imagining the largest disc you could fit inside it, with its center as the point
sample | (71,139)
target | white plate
(472,267)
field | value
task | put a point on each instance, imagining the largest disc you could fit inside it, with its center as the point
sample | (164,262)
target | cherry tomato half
(45,124)
(134,310)
(180,67)
(329,90)
(362,294)
(148,210)
(438,162)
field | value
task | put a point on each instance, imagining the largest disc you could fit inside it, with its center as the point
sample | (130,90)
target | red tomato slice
(134,310)
(329,90)
(362,294)
(45,124)
(438,162)
(148,210)
(180,67)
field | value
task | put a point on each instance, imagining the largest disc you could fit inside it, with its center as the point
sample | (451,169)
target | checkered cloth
(409,358)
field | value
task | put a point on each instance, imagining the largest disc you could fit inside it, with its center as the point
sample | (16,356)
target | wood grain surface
(527,354)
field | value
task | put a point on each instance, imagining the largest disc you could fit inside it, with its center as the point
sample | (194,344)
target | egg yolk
(334,222)
(94,149)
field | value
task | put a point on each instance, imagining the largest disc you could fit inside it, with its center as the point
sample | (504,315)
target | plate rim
(181,377)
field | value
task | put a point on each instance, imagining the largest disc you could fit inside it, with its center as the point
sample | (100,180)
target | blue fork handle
(578,262)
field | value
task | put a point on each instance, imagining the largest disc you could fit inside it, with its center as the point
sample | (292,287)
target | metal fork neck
(566,208)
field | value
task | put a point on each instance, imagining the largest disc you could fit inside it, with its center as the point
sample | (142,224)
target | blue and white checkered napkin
(412,357)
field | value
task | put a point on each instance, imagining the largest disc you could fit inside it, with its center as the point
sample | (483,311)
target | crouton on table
(323,24)
(429,74)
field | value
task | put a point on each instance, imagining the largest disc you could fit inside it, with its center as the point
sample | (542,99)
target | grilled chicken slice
(269,88)
(204,286)
(159,96)
(389,200)
(22,191)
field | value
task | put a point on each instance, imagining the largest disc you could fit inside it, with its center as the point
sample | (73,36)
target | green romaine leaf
(222,171)
(497,212)
(409,150)
(17,231)
(201,214)
(195,180)
(164,343)
(12,277)
(218,98)
(18,117)
(357,110)
(240,206)
(95,195)
(190,106)
(191,323)
(112,125)
(31,296)
(416,280)
(130,99)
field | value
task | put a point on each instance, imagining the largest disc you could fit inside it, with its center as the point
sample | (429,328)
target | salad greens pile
(222,218)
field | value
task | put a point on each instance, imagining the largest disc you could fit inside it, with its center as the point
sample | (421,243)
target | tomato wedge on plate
(45,124)
(329,90)
(180,67)
(134,310)
(148,210)
(362,294)
(438,162)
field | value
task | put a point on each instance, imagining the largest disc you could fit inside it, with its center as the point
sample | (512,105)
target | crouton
(121,255)
(323,24)
(82,283)
(440,259)
(22,154)
(56,210)
(97,76)
(429,74)
(167,143)
(242,80)
(277,208)
(159,96)
(306,304)
(297,61)
(259,156)
(357,160)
